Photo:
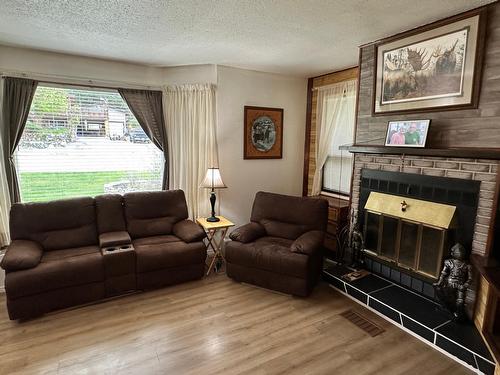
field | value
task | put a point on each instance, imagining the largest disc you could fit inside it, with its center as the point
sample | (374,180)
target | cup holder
(125,247)
(111,249)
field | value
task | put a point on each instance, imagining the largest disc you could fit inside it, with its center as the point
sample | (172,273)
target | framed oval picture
(263,134)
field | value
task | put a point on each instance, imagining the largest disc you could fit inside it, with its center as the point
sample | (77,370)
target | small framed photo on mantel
(263,133)
(408,133)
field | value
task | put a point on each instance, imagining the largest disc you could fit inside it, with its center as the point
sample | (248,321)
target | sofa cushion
(287,216)
(55,225)
(57,269)
(154,213)
(168,254)
(153,240)
(268,254)
(110,215)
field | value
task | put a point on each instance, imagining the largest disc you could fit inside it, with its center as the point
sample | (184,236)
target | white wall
(179,75)
(235,89)
(34,62)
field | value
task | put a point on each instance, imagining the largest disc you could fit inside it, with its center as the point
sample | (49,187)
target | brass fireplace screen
(410,233)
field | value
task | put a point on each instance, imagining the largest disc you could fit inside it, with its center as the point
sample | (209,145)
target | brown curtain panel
(17,97)
(147,108)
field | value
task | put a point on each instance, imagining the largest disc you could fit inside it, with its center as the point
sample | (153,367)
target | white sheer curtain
(335,124)
(4,190)
(190,120)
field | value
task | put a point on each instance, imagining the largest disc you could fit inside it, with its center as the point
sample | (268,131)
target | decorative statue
(453,282)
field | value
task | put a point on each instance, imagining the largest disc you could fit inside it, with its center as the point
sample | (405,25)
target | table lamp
(213,180)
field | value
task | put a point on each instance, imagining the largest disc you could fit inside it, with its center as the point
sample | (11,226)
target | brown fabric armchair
(281,248)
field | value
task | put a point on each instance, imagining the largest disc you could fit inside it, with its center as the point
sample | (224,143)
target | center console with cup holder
(119,268)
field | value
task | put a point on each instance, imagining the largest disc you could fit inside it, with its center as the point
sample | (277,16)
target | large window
(337,171)
(84,142)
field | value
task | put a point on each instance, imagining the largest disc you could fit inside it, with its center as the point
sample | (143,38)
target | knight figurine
(455,278)
(356,244)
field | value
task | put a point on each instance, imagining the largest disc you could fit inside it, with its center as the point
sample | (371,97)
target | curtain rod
(333,84)
(77,81)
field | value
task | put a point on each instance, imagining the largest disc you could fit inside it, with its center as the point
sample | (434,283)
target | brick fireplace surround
(483,170)
(416,314)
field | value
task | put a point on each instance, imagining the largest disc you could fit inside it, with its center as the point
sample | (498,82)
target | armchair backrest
(110,213)
(287,216)
(55,225)
(154,213)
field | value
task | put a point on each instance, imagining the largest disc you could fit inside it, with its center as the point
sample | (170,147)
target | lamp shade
(213,179)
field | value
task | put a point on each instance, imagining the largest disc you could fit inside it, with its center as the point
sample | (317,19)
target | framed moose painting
(263,134)
(434,67)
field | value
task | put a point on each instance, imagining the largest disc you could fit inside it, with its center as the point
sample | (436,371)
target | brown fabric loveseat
(281,248)
(56,258)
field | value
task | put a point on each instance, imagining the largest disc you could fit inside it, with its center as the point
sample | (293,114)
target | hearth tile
(416,307)
(396,275)
(405,279)
(370,283)
(419,329)
(390,313)
(429,291)
(455,350)
(466,335)
(337,270)
(386,271)
(417,285)
(360,296)
(485,367)
(334,281)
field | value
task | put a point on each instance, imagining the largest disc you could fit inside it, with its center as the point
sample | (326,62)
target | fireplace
(409,222)
(410,234)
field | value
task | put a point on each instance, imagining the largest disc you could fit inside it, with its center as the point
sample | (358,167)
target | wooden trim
(307,139)
(345,74)
(478,64)
(462,152)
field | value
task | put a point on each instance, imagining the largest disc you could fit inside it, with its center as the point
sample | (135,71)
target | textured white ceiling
(299,37)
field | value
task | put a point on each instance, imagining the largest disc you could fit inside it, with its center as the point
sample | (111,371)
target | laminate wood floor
(213,326)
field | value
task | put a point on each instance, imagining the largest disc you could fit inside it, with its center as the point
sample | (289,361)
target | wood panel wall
(310,147)
(459,128)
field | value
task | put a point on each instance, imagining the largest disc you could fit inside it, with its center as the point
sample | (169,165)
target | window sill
(335,195)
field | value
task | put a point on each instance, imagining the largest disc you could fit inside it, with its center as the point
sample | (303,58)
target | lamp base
(213,219)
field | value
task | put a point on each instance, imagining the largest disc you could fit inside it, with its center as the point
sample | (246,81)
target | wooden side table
(212,229)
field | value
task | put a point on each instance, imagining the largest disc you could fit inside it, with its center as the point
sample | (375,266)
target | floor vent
(358,320)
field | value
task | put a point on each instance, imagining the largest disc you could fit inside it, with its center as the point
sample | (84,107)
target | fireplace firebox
(411,234)
(410,221)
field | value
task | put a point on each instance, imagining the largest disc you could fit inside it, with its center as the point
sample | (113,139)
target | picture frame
(435,67)
(407,133)
(263,133)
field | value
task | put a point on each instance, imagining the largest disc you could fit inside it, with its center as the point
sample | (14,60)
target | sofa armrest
(189,231)
(309,242)
(22,255)
(108,239)
(248,232)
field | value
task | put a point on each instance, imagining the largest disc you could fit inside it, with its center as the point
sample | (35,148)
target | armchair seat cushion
(167,254)
(58,269)
(270,254)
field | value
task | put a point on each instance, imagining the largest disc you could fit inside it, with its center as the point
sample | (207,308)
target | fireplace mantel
(475,153)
